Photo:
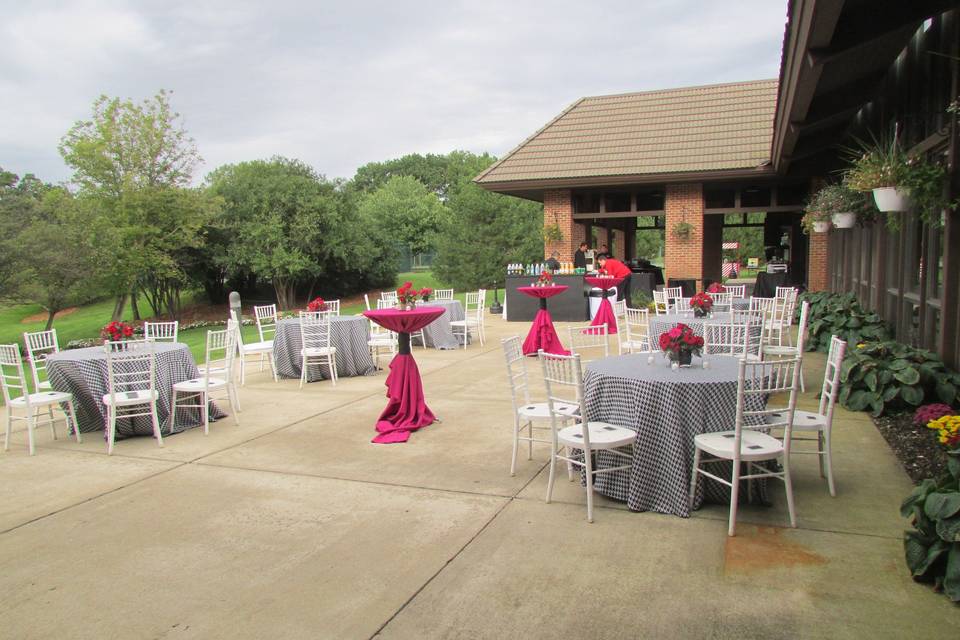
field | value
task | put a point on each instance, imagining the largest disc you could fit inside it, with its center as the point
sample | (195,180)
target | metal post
(495,307)
(235,303)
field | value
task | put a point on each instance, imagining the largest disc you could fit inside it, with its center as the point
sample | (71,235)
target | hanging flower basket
(844,220)
(821,226)
(891,199)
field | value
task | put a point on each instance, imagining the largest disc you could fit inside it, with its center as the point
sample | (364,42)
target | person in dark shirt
(553,263)
(616,269)
(580,257)
(605,250)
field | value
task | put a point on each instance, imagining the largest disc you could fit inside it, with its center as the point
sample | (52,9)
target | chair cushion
(602,436)
(754,445)
(318,351)
(541,410)
(258,347)
(45,384)
(125,398)
(776,350)
(42,398)
(802,420)
(197,384)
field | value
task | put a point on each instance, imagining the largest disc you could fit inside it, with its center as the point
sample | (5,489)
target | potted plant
(682,230)
(835,203)
(815,222)
(117,331)
(881,167)
(317,304)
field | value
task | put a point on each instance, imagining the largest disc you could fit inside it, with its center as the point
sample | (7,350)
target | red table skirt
(543,336)
(406,409)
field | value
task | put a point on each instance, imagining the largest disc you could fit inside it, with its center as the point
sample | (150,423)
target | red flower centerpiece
(716,287)
(407,296)
(680,344)
(701,303)
(317,304)
(425,294)
(545,279)
(117,331)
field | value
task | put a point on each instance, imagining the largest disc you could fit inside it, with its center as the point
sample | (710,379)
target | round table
(83,372)
(439,334)
(662,324)
(406,408)
(666,408)
(542,335)
(605,314)
(349,334)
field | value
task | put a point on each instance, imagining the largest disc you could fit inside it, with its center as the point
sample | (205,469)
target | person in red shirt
(616,269)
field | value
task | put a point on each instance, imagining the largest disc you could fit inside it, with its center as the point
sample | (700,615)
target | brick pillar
(684,256)
(619,247)
(558,210)
(818,277)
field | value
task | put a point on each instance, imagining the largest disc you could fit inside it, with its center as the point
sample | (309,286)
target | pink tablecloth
(605,313)
(406,408)
(542,335)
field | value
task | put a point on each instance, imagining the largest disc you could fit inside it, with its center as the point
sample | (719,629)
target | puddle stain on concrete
(760,548)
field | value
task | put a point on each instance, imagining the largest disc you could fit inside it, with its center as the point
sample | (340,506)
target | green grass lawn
(86,322)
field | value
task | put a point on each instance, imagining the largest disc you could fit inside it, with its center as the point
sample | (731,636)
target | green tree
(482,232)
(130,160)
(283,222)
(409,212)
(47,254)
(442,174)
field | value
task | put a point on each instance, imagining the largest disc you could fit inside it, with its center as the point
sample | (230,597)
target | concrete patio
(292,525)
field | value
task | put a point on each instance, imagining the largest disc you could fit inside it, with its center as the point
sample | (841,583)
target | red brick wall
(818,278)
(558,209)
(619,245)
(684,257)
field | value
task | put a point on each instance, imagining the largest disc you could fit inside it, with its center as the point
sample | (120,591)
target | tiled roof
(716,127)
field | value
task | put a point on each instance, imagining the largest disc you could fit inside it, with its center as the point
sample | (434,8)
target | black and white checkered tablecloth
(666,408)
(349,334)
(662,324)
(83,372)
(438,333)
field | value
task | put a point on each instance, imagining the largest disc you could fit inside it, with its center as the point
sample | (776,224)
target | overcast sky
(340,84)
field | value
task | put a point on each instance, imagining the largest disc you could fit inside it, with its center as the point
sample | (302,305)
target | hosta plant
(932,547)
(841,315)
(889,375)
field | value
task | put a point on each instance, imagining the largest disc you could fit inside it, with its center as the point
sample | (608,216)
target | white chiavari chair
(220,350)
(389,296)
(821,421)
(749,443)
(788,350)
(585,337)
(736,290)
(773,312)
(161,331)
(132,386)
(443,294)
(333,306)
(262,349)
(635,331)
(661,304)
(317,350)
(563,377)
(267,319)
(527,415)
(40,344)
(472,322)
(722,302)
(19,400)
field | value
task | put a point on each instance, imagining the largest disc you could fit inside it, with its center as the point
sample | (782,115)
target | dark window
(616,201)
(719,198)
(586,202)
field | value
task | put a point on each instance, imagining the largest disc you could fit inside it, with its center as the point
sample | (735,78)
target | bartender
(580,257)
(617,269)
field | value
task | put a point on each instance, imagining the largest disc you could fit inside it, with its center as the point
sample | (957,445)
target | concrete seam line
(456,555)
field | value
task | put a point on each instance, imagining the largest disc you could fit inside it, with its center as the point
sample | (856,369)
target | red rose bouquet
(117,331)
(317,304)
(680,344)
(407,295)
(545,279)
(716,287)
(425,294)
(701,303)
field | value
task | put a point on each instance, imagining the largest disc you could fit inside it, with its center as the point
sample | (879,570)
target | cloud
(341,84)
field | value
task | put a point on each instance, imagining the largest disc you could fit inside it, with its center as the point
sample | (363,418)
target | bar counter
(572,305)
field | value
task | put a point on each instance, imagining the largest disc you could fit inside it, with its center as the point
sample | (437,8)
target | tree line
(130,224)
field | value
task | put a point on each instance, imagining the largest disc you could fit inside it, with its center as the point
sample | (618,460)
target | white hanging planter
(891,199)
(844,220)
(821,227)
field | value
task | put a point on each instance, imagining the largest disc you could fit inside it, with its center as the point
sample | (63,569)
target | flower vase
(699,313)
(685,358)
